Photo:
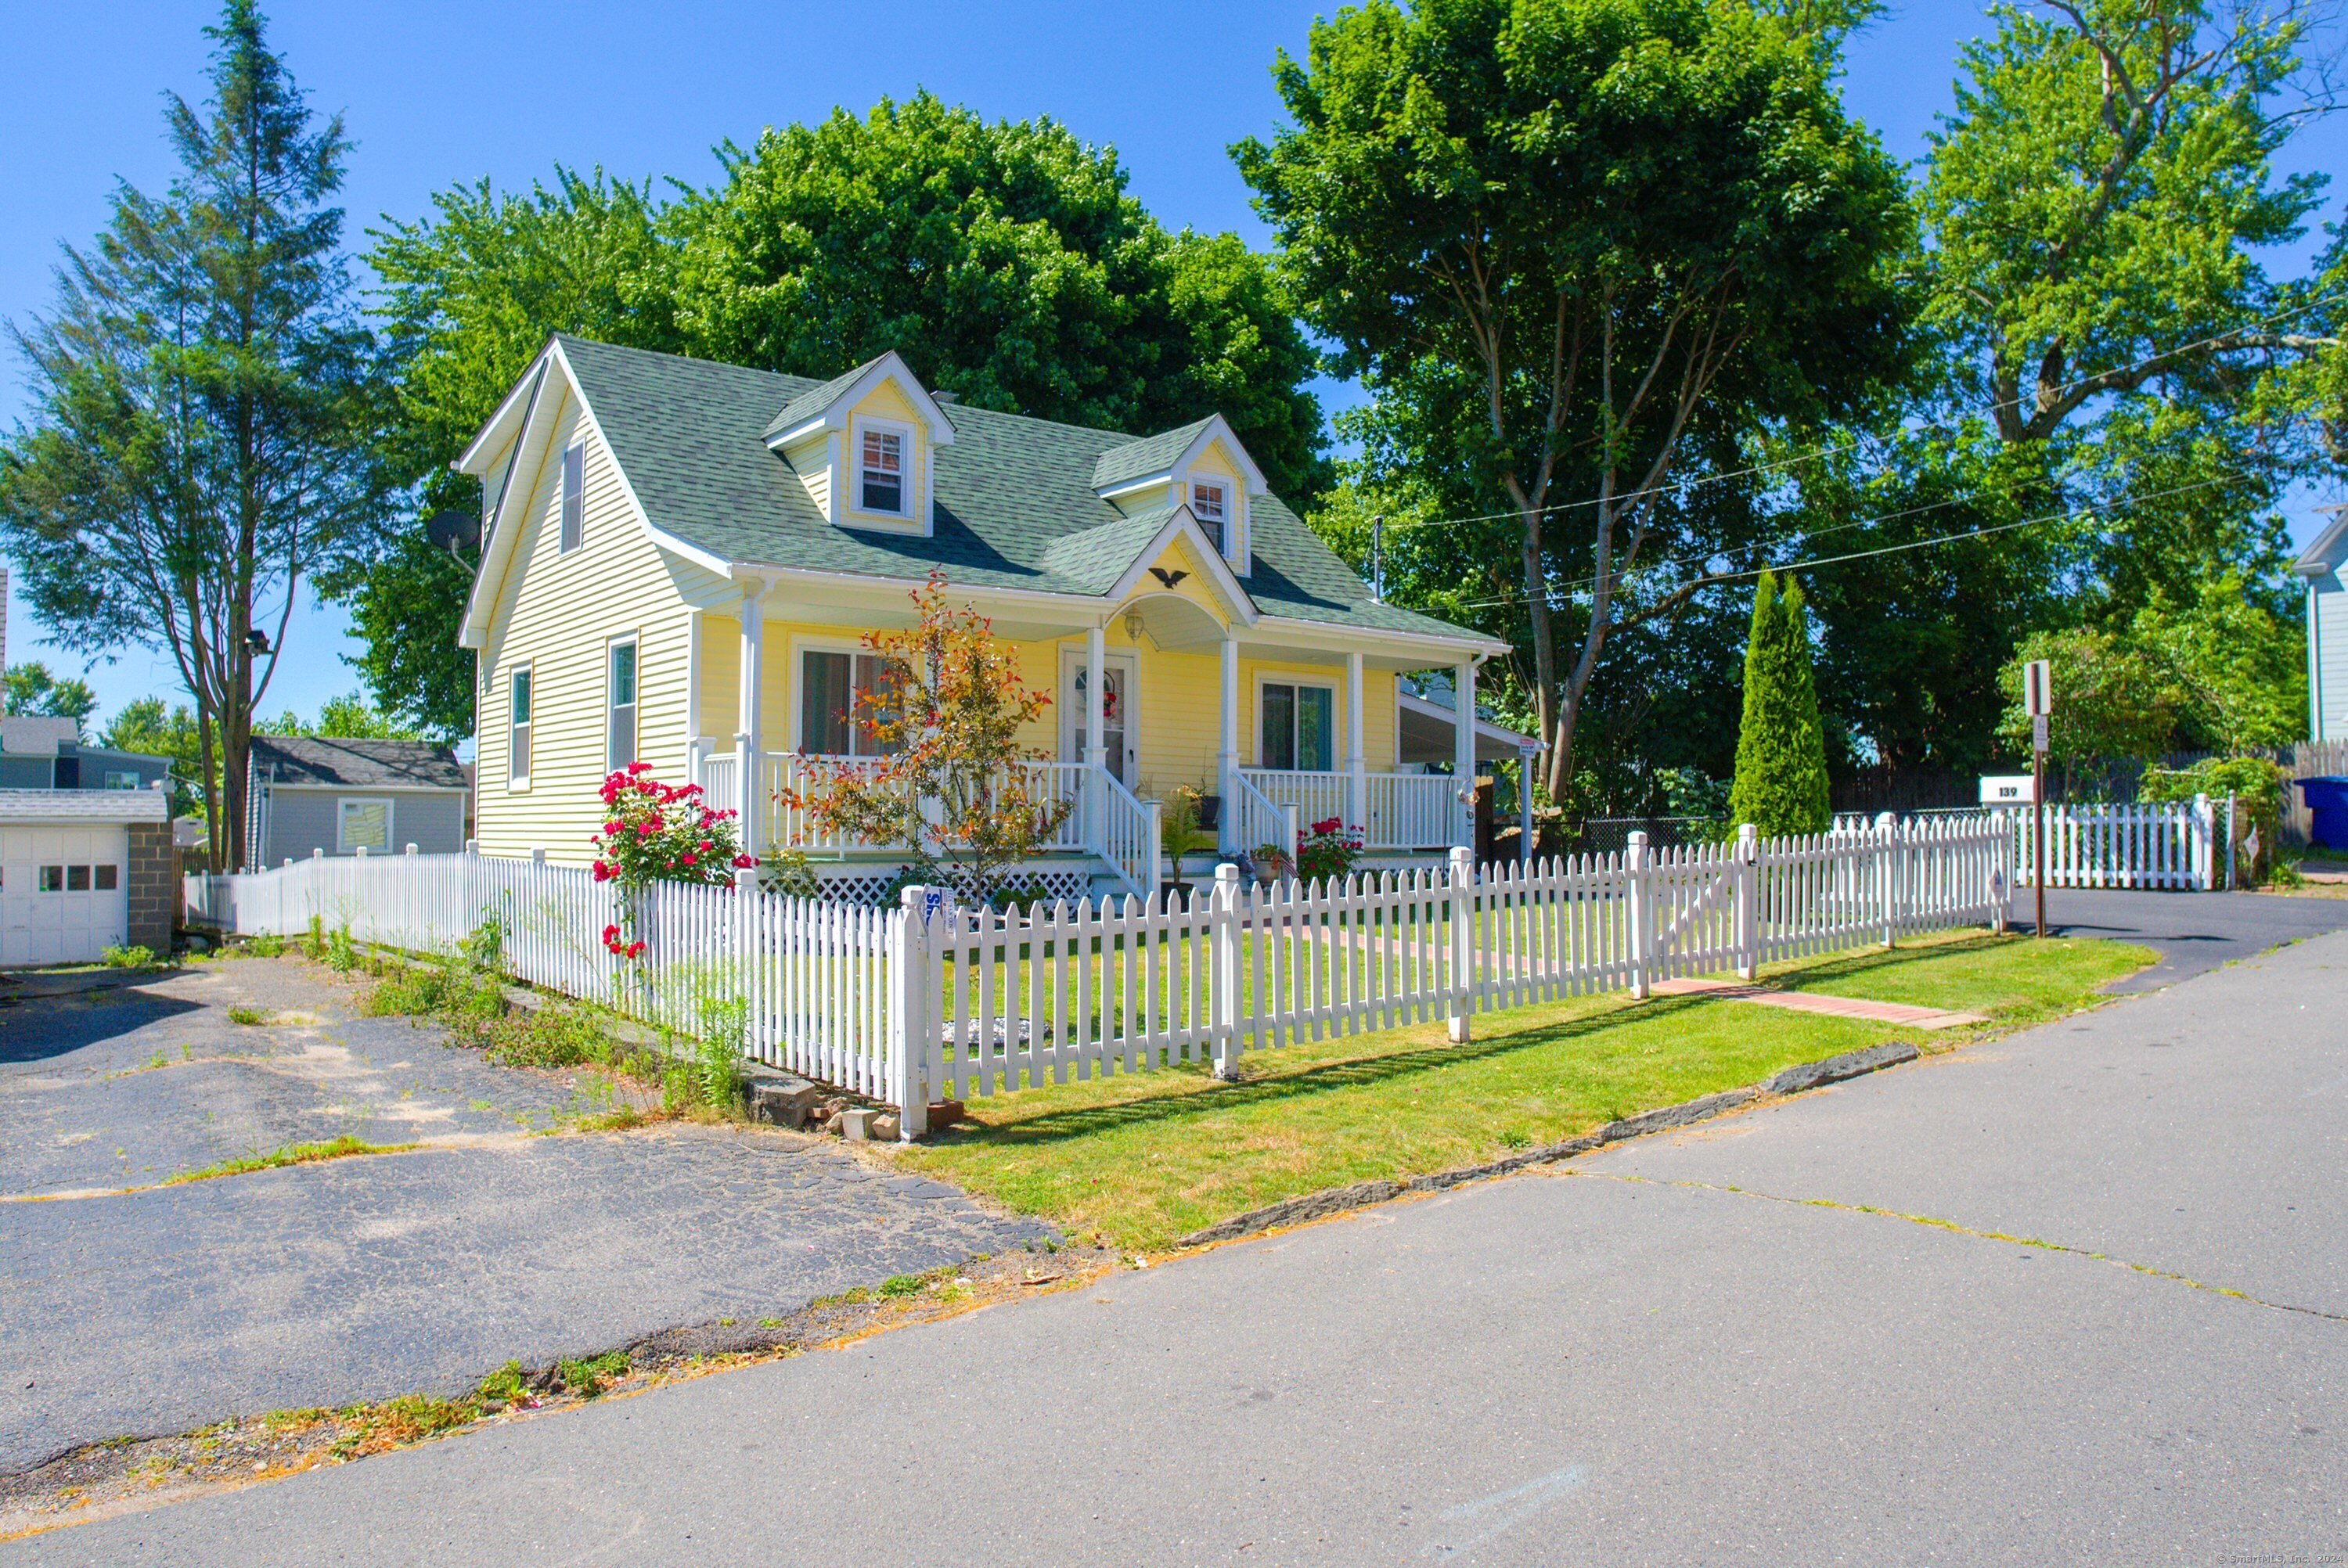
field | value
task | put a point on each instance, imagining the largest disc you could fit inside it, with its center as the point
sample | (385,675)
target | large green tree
(199,441)
(31,689)
(1559,240)
(1005,259)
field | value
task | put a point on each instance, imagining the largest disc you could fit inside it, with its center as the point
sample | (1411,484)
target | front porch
(1178,686)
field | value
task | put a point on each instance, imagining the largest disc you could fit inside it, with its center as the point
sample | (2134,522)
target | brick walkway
(1829,1007)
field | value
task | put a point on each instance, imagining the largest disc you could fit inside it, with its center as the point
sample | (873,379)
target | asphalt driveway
(138,1308)
(2192,932)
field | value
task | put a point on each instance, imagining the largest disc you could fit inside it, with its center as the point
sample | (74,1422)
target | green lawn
(1142,1160)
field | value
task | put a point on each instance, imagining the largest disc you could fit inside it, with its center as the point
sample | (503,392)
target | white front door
(64,894)
(1120,735)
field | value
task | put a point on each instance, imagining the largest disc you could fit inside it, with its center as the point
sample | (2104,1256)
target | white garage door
(63,898)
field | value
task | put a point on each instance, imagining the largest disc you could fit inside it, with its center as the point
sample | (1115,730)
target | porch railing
(1255,818)
(1401,810)
(1411,811)
(1317,797)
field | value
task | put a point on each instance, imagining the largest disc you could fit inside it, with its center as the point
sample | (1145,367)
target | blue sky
(436,92)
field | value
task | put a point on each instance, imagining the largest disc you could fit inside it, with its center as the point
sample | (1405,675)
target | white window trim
(562,497)
(612,644)
(795,691)
(914,517)
(519,782)
(343,804)
(1337,719)
(1236,552)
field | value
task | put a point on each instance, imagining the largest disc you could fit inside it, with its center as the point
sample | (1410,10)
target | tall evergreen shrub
(1781,753)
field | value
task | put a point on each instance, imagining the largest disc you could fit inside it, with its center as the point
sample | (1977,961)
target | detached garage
(82,871)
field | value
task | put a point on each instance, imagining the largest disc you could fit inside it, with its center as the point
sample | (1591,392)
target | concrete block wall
(153,886)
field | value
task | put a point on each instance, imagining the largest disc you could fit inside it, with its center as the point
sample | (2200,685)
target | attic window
(574,496)
(884,472)
(1207,506)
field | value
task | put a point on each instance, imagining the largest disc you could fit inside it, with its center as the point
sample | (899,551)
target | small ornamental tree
(947,726)
(654,832)
(1781,754)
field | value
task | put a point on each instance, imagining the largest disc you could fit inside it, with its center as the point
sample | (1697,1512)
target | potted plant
(1181,831)
(1271,863)
(1326,851)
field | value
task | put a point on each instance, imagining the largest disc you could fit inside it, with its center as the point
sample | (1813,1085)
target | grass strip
(291,1155)
(1140,1160)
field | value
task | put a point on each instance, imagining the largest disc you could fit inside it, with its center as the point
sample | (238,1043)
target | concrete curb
(1363,1194)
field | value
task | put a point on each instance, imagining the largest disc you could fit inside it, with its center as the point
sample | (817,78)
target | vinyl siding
(2330,659)
(557,613)
(301,820)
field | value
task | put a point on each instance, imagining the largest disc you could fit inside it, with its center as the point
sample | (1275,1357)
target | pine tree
(200,439)
(1781,753)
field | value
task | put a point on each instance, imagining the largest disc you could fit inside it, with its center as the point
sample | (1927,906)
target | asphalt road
(135,1308)
(1697,1349)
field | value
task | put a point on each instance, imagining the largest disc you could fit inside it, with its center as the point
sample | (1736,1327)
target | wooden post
(1641,913)
(1463,751)
(1223,932)
(913,988)
(1748,902)
(1227,760)
(746,739)
(1462,993)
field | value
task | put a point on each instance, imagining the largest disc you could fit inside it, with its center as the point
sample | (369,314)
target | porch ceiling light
(1133,625)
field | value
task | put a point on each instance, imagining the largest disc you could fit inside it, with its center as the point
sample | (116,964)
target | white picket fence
(929,1000)
(2175,845)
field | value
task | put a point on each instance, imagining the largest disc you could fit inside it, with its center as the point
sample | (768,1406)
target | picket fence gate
(2179,844)
(933,1001)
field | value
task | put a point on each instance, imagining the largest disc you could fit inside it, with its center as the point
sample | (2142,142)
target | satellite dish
(457,528)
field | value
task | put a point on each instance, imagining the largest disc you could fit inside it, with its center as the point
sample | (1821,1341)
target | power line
(1854,445)
(1567,589)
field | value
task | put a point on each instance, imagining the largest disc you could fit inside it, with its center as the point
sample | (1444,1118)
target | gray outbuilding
(339,796)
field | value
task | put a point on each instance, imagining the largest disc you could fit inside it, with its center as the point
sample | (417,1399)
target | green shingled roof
(1150,455)
(1016,502)
(807,405)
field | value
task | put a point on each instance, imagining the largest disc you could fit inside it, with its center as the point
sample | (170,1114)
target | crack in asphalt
(1933,1222)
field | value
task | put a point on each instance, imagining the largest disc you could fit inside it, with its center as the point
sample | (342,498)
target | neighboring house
(680,557)
(82,870)
(2327,629)
(344,797)
(38,752)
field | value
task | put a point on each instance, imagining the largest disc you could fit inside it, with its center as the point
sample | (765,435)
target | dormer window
(1207,506)
(883,472)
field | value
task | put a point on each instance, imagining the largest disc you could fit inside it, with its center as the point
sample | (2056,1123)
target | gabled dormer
(1201,466)
(865,446)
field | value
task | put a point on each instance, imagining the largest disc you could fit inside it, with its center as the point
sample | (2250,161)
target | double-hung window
(517,728)
(1298,725)
(838,695)
(620,721)
(1209,505)
(882,472)
(574,495)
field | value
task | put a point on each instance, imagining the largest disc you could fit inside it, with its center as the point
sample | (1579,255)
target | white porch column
(1227,760)
(750,800)
(1358,783)
(1463,751)
(1095,751)
(1094,805)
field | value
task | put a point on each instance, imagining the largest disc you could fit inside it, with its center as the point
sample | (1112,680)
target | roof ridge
(687,358)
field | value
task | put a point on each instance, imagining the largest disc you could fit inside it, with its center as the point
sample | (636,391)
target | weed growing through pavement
(291,1155)
(248,1016)
(121,958)
(268,945)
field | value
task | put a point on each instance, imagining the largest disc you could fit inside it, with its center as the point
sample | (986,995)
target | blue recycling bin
(2327,798)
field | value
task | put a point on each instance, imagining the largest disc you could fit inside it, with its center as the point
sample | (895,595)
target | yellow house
(679,559)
